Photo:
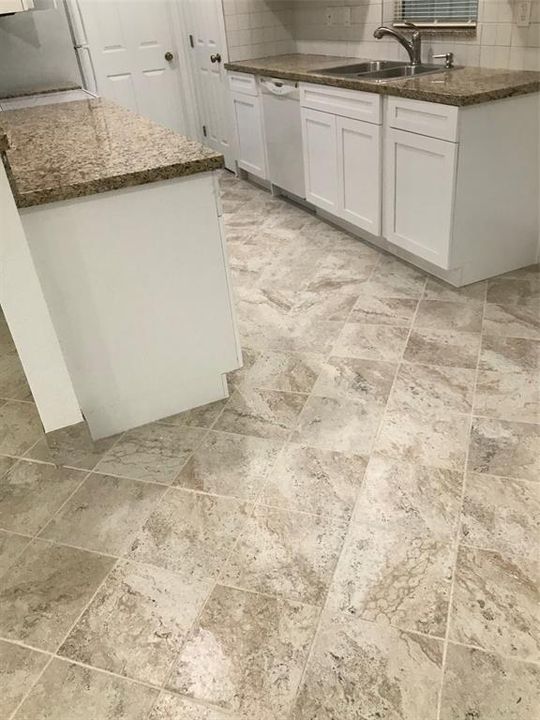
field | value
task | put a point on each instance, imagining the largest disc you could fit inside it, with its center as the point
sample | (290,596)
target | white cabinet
(250,135)
(359,173)
(248,120)
(319,139)
(419,181)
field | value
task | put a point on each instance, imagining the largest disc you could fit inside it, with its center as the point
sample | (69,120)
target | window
(437,13)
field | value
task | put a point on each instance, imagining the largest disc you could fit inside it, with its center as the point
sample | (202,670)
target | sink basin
(361,68)
(404,71)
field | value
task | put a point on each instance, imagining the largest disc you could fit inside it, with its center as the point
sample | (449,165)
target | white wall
(36,51)
(268,27)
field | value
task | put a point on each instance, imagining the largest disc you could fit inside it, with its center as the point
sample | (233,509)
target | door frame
(187,21)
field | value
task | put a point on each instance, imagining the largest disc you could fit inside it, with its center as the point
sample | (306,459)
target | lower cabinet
(250,136)
(359,173)
(342,160)
(419,182)
(320,159)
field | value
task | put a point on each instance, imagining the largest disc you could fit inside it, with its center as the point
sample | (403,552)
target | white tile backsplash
(271,27)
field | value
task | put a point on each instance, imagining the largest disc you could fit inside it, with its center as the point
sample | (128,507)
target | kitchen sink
(404,71)
(380,70)
(360,68)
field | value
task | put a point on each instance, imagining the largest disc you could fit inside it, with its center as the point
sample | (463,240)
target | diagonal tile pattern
(352,534)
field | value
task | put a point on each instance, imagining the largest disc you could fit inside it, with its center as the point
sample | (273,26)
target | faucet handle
(447,57)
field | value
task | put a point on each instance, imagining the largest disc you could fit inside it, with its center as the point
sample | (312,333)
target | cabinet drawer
(425,118)
(243,83)
(347,103)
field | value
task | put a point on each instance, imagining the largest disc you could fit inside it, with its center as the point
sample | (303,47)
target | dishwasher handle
(278,87)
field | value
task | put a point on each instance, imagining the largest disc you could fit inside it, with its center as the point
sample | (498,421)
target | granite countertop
(72,149)
(459,86)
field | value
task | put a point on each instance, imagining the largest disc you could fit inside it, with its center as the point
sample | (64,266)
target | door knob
(169,56)
(215,58)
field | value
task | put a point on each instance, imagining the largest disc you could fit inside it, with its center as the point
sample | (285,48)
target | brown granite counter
(72,149)
(459,86)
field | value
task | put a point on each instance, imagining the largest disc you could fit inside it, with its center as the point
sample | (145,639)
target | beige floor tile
(435,441)
(136,624)
(501,514)
(11,546)
(316,481)
(392,573)
(362,670)
(356,379)
(519,320)
(190,534)
(236,378)
(261,413)
(326,303)
(30,494)
(71,692)
(343,425)
(203,416)
(423,500)
(393,278)
(285,553)
(433,390)
(508,395)
(443,347)
(383,311)
(42,594)
(174,707)
(104,514)
(434,314)
(263,644)
(495,603)
(371,342)
(501,447)
(20,667)
(482,685)
(305,334)
(440,290)
(506,290)
(227,464)
(290,372)
(13,383)
(509,354)
(20,427)
(72,447)
(153,452)
(343,272)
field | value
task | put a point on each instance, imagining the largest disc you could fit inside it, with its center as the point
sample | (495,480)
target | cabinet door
(359,172)
(419,179)
(250,134)
(320,159)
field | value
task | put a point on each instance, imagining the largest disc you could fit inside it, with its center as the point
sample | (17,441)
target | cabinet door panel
(320,159)
(359,164)
(250,135)
(419,194)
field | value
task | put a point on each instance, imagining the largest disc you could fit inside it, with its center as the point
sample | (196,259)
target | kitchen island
(116,223)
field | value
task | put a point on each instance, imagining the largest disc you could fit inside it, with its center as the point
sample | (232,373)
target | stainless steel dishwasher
(283,130)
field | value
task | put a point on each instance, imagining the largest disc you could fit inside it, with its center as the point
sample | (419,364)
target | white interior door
(209,54)
(134,56)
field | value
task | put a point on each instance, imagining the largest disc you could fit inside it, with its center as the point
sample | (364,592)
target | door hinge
(191,41)
(204,131)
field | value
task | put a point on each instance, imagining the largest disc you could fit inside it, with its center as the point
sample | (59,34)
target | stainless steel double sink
(380,70)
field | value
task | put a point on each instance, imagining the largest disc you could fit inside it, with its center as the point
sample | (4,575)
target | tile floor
(353,535)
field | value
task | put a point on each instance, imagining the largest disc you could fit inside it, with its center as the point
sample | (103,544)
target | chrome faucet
(412,46)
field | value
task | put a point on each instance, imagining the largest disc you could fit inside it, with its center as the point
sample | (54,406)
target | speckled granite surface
(41,91)
(460,86)
(69,150)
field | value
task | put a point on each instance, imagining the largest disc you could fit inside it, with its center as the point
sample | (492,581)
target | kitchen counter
(69,150)
(459,86)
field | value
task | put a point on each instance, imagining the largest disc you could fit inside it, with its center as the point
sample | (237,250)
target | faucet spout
(412,46)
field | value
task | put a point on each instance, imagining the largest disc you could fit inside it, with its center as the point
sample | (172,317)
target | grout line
(457,535)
